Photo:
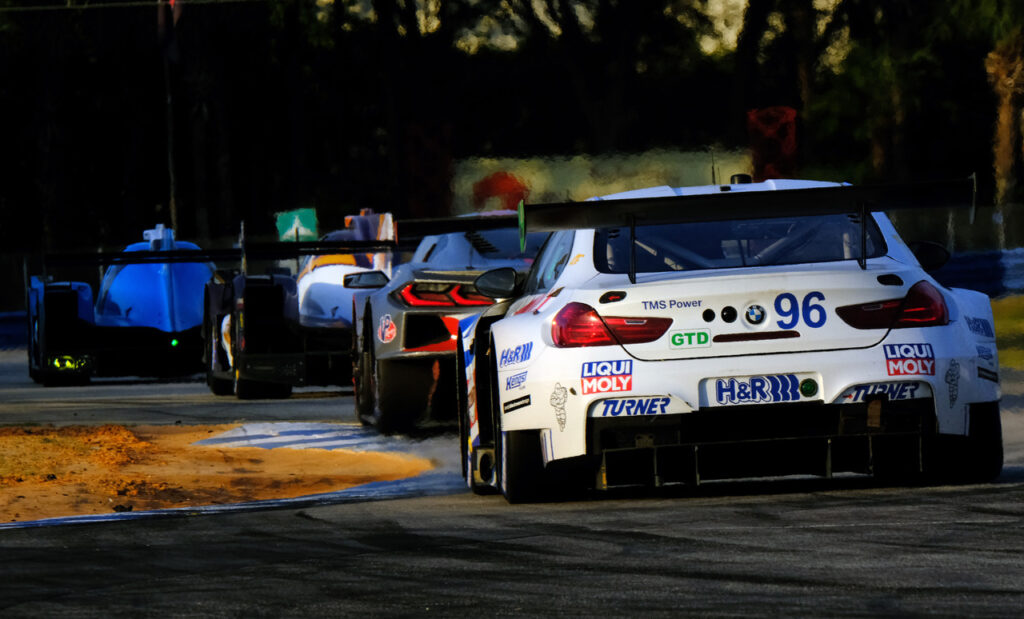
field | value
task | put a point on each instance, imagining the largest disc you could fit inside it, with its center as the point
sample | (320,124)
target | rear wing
(732,205)
(264,251)
(411,230)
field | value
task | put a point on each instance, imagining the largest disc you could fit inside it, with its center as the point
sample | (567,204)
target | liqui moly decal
(512,356)
(757,389)
(909,359)
(606,376)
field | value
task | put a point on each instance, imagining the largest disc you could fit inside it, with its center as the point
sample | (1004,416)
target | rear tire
(984,449)
(218,386)
(469,468)
(975,458)
(363,381)
(33,352)
(401,390)
(521,467)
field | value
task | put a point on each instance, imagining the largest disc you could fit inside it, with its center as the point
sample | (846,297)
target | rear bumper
(297,356)
(125,351)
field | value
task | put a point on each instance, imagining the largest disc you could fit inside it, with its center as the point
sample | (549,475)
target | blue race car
(144,320)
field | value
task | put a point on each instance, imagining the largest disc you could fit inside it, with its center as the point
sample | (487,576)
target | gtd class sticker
(694,338)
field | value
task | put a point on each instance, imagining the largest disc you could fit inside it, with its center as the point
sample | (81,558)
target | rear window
(738,243)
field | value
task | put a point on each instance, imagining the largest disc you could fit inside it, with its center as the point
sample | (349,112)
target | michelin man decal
(558,399)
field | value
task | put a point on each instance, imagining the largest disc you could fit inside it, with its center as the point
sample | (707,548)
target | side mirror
(497,283)
(932,256)
(366,279)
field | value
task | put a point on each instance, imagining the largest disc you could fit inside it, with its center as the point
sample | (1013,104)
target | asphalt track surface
(841,547)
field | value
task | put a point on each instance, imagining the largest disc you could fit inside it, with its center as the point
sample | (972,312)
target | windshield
(725,244)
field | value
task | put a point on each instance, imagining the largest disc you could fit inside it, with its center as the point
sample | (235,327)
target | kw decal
(909,359)
(606,376)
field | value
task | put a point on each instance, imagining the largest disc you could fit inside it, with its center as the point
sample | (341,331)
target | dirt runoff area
(48,472)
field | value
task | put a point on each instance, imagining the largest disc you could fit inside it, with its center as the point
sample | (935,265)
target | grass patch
(1009,317)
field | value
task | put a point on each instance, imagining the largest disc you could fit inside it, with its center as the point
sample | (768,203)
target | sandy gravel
(48,472)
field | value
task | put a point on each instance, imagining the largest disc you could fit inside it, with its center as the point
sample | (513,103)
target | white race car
(675,335)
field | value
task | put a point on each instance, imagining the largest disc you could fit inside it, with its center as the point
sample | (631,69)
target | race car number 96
(812,313)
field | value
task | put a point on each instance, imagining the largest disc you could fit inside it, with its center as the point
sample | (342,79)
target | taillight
(578,324)
(429,294)
(922,307)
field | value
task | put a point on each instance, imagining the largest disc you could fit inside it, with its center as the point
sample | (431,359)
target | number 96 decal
(792,312)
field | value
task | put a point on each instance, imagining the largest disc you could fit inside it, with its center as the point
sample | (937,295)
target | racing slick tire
(521,468)
(363,382)
(975,458)
(983,453)
(33,352)
(400,395)
(218,386)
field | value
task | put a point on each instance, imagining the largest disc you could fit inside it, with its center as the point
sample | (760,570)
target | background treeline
(261,106)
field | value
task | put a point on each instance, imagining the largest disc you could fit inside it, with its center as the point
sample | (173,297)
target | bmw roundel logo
(755,314)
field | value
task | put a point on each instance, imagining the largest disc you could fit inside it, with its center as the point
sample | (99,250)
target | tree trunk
(1005,67)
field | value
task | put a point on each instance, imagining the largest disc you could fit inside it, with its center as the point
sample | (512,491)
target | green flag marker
(297,225)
